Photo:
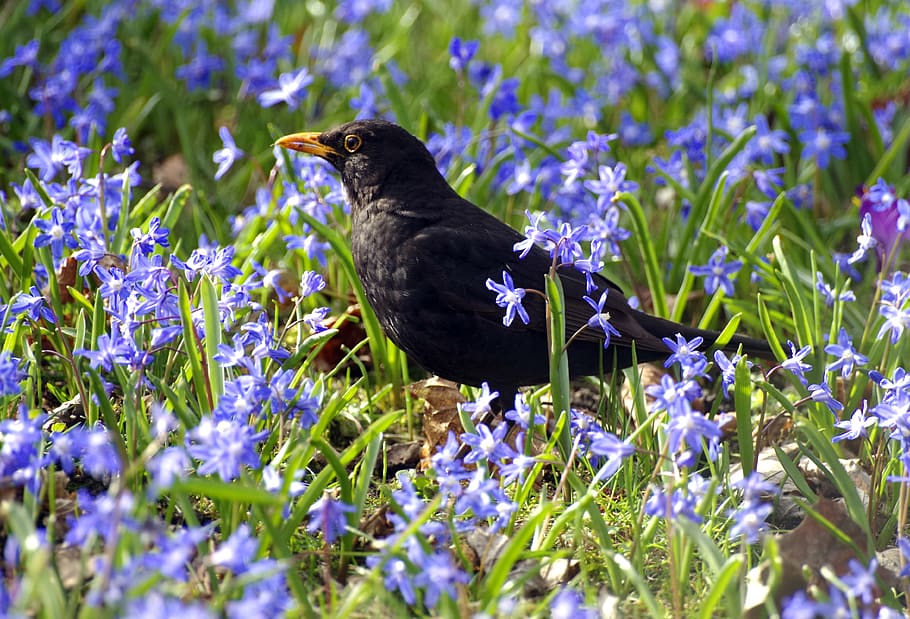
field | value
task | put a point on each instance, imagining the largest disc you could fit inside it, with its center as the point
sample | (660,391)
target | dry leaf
(441,399)
(811,545)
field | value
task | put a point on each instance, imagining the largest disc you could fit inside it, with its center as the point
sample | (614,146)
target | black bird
(424,254)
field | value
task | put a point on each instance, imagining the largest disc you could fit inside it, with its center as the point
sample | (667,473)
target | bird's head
(371,155)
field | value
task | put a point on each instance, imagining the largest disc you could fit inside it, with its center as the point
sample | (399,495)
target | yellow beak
(307,142)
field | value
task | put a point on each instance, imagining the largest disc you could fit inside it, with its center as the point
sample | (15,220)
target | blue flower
(329,516)
(197,73)
(750,521)
(226,156)
(569,604)
(611,181)
(718,271)
(822,394)
(847,356)
(33,304)
(110,351)
(51,158)
(856,425)
(601,319)
(291,88)
(509,297)
(727,369)
(829,294)
(795,363)
(223,446)
(461,53)
(58,233)
(104,516)
(896,320)
(121,146)
(155,236)
(25,56)
(486,445)
(822,144)
(483,404)
(612,448)
(685,352)
(766,143)
(438,576)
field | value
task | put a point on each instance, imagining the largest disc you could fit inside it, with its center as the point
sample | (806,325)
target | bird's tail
(661,327)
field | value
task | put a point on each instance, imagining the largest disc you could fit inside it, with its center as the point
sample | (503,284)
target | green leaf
(742,397)
(643,232)
(232,492)
(212,320)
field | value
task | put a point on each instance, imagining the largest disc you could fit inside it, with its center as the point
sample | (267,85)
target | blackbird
(424,254)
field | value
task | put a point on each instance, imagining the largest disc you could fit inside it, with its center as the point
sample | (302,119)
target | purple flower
(99,456)
(691,429)
(672,396)
(109,351)
(155,236)
(889,217)
(718,271)
(226,156)
(167,467)
(681,502)
(632,133)
(329,516)
(521,414)
(861,582)
(523,178)
(896,321)
(310,283)
(505,99)
(727,369)
(20,455)
(509,297)
(291,88)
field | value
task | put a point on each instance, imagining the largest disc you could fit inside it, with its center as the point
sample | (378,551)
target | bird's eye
(352,143)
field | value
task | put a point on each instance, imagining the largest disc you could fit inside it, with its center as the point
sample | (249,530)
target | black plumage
(424,254)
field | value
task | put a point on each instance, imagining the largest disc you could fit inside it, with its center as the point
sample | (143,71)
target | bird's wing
(481,247)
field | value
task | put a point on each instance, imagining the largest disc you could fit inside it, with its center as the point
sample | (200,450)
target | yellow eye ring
(352,143)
